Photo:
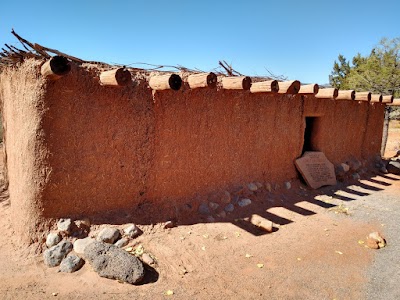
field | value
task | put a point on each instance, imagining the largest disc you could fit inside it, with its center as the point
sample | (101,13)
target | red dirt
(315,256)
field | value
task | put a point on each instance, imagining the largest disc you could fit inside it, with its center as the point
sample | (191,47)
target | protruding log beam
(376,98)
(236,83)
(165,82)
(346,95)
(363,96)
(270,86)
(309,89)
(396,102)
(202,80)
(289,87)
(387,99)
(117,77)
(328,93)
(56,67)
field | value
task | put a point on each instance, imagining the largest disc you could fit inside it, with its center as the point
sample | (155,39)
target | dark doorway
(309,134)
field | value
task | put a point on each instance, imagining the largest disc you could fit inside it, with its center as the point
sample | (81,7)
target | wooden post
(165,82)
(55,68)
(117,77)
(376,98)
(385,130)
(236,83)
(289,87)
(309,89)
(202,80)
(328,93)
(270,86)
(387,99)
(363,96)
(346,95)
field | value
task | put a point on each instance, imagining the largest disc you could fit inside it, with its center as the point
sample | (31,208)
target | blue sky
(297,39)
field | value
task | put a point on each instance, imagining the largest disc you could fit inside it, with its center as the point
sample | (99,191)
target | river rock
(121,243)
(345,167)
(393,167)
(288,185)
(252,187)
(147,259)
(64,225)
(354,164)
(71,264)
(213,205)
(52,239)
(114,263)
(375,240)
(132,231)
(204,209)
(53,256)
(108,235)
(244,202)
(80,244)
(229,208)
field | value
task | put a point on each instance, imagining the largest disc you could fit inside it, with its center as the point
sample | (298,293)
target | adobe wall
(208,139)
(76,148)
(346,128)
(23,99)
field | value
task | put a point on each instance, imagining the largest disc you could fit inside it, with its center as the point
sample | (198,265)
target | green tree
(341,69)
(379,72)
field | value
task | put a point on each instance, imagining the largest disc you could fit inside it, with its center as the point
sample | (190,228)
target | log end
(289,87)
(123,77)
(56,67)
(212,80)
(246,83)
(175,82)
(274,86)
(60,65)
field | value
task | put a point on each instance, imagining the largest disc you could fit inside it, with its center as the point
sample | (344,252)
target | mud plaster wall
(103,149)
(22,97)
(346,129)
(208,139)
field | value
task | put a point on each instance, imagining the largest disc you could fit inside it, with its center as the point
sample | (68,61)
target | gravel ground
(383,207)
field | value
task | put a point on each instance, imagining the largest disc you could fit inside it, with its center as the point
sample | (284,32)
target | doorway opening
(309,134)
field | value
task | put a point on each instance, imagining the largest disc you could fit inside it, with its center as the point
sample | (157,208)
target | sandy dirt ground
(315,252)
(393,143)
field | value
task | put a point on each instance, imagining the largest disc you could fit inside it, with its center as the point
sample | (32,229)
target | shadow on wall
(280,206)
